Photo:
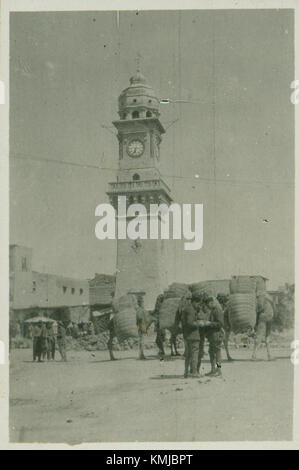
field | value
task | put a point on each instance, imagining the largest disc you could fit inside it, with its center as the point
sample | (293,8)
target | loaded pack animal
(265,312)
(175,324)
(144,319)
(173,327)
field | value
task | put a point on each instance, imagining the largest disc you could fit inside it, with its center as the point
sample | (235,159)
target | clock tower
(141,264)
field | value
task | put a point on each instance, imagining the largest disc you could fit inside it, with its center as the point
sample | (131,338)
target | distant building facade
(33,292)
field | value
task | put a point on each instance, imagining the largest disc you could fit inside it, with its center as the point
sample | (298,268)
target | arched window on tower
(135,114)
(136,177)
(148,114)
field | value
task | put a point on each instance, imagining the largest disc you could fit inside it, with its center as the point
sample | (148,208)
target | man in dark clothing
(36,333)
(190,326)
(215,335)
(203,332)
(61,341)
(51,342)
(43,342)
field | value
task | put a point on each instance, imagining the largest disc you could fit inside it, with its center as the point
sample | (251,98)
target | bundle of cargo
(242,309)
(212,287)
(203,287)
(125,309)
(242,285)
(168,311)
(176,290)
(260,285)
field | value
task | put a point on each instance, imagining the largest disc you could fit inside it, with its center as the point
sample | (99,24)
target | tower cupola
(138,101)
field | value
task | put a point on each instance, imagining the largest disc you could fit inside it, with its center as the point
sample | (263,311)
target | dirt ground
(90,399)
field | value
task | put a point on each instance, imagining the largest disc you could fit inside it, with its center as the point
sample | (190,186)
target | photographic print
(151,226)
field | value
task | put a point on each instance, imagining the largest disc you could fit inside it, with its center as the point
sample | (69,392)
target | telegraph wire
(194,178)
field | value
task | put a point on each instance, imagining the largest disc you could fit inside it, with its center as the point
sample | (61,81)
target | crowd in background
(48,336)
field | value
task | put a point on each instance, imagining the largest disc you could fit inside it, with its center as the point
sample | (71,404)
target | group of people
(202,318)
(45,336)
(77,330)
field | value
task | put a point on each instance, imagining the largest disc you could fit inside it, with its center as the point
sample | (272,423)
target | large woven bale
(212,287)
(176,290)
(167,313)
(203,287)
(242,285)
(125,317)
(242,312)
(260,285)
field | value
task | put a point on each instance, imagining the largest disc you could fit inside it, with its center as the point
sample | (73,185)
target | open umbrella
(40,320)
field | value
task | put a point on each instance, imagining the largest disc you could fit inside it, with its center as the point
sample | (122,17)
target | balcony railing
(133,186)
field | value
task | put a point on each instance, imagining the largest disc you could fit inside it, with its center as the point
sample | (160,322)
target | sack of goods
(242,308)
(167,313)
(260,286)
(203,287)
(125,309)
(242,285)
(176,290)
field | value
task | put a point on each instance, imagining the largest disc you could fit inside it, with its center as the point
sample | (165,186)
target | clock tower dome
(140,263)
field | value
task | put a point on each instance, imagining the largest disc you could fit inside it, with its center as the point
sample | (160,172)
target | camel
(174,328)
(144,320)
(265,316)
(161,336)
(223,301)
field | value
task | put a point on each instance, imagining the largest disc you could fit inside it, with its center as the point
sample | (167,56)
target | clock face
(135,148)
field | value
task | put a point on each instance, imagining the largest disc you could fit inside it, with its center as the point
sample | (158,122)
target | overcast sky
(237,134)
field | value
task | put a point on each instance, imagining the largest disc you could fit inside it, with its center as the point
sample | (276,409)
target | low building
(32,293)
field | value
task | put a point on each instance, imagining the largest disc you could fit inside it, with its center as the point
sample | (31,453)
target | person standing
(190,326)
(215,335)
(43,343)
(51,342)
(204,316)
(61,339)
(36,332)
